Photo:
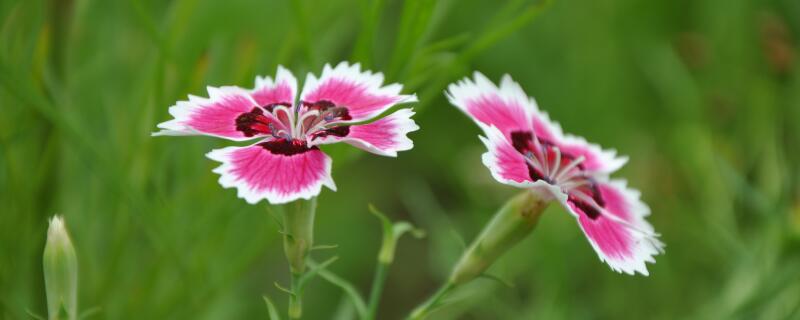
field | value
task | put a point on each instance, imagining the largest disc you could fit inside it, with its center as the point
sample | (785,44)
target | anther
(273,131)
(529,154)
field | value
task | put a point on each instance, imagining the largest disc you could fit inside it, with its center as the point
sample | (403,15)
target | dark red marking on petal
(271,107)
(286,147)
(334,112)
(320,106)
(253,123)
(522,141)
(340,131)
(587,208)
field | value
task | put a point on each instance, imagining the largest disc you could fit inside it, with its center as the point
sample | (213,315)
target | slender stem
(429,305)
(377,288)
(295,300)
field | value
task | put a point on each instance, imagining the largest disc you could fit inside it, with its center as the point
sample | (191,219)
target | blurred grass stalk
(60,272)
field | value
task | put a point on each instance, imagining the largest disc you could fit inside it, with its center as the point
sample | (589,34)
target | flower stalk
(512,223)
(298,238)
(391,234)
(60,265)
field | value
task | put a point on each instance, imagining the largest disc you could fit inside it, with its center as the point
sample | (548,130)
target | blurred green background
(703,95)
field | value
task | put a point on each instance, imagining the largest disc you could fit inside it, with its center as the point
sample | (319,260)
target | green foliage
(703,95)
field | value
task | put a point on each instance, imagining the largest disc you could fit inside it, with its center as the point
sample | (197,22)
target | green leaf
(403,227)
(90,312)
(314,271)
(497,279)
(34,315)
(324,247)
(346,286)
(391,234)
(284,289)
(273,312)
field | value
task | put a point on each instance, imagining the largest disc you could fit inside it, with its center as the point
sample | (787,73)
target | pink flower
(528,150)
(286,164)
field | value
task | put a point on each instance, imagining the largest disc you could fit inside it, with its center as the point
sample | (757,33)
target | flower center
(271,119)
(322,118)
(545,159)
(307,120)
(547,162)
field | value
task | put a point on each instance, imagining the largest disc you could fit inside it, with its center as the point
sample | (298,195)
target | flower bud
(515,220)
(60,272)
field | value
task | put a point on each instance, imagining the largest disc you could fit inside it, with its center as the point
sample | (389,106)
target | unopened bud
(60,272)
(515,220)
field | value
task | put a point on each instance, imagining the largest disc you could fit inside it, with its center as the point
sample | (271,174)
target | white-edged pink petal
(214,116)
(258,174)
(361,92)
(385,136)
(280,90)
(506,107)
(506,164)
(620,234)
(544,127)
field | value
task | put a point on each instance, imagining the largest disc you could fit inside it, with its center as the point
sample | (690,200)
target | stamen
(537,145)
(301,122)
(320,126)
(529,154)
(566,173)
(273,131)
(558,162)
(545,161)
(533,161)
(290,116)
(327,119)
(572,184)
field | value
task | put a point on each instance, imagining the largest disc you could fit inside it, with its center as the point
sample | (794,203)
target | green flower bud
(60,272)
(515,220)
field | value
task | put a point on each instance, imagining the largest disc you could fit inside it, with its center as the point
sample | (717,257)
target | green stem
(298,238)
(295,300)
(434,301)
(377,288)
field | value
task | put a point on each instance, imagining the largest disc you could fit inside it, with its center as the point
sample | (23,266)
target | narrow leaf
(273,312)
(314,270)
(346,286)
(284,289)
